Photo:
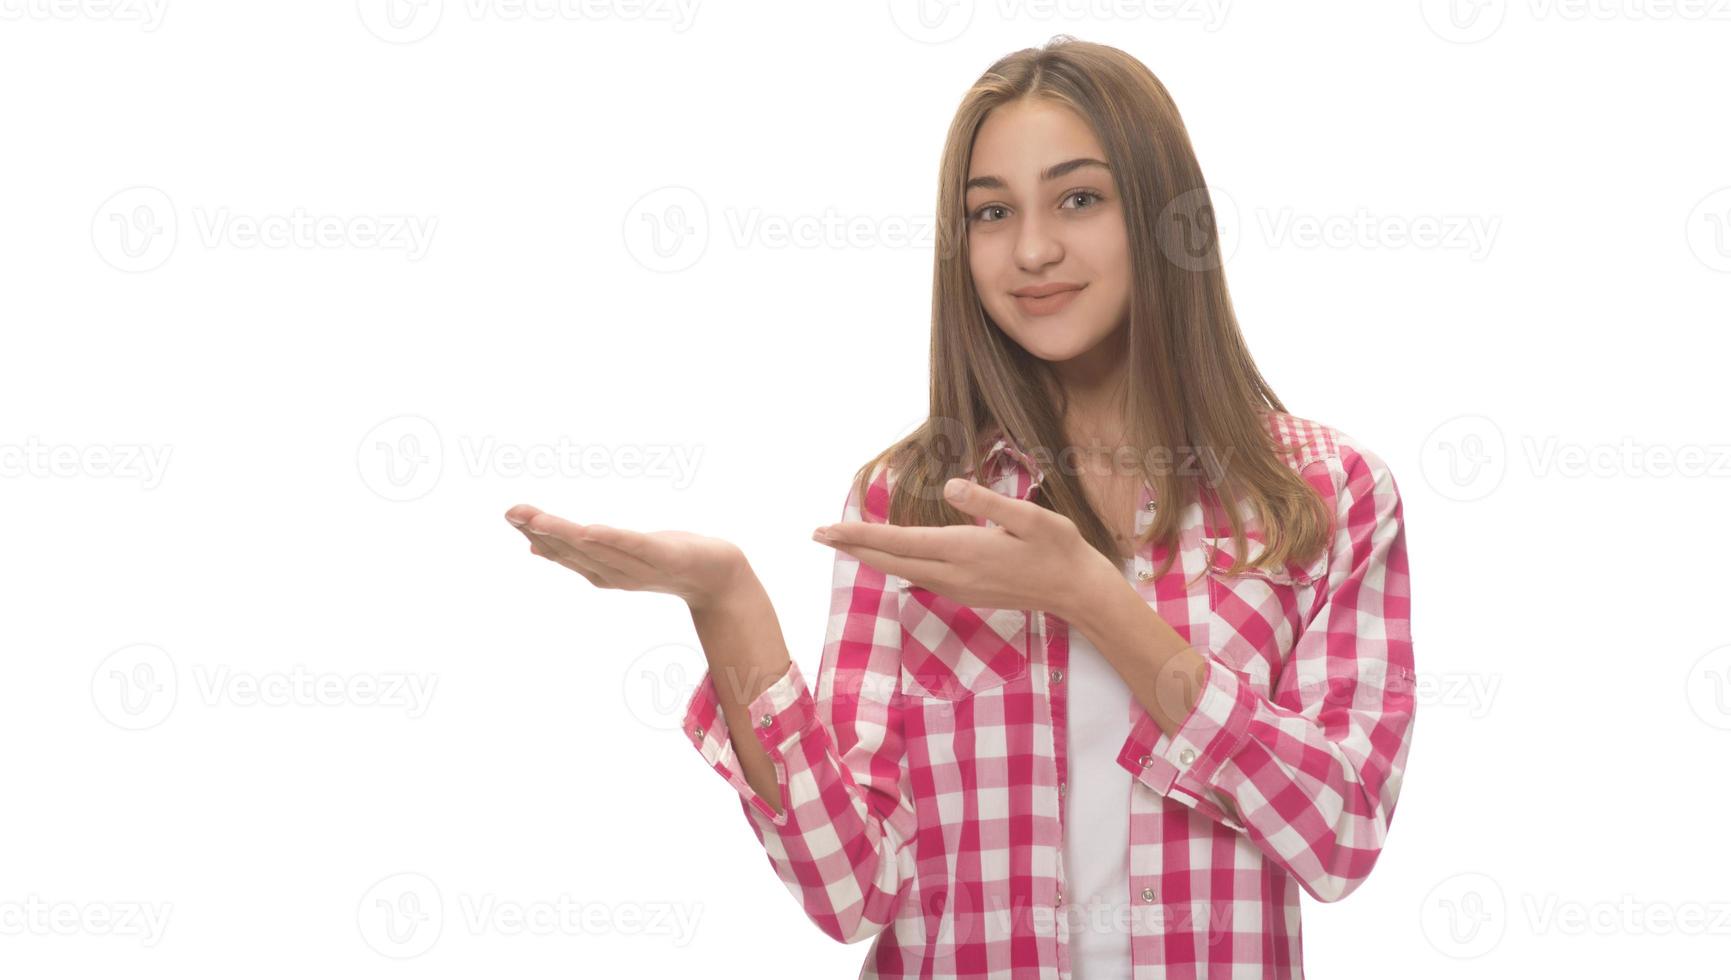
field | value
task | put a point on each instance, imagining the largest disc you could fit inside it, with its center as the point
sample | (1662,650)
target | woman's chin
(1054,349)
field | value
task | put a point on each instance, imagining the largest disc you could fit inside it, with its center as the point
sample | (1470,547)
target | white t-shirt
(1097,814)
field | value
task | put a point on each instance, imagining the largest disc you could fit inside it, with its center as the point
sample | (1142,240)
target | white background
(623,247)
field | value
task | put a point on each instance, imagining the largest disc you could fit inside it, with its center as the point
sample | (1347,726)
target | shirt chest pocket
(1257,615)
(951,652)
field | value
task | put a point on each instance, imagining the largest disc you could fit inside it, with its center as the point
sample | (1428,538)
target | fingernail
(821,534)
(515,521)
(955,488)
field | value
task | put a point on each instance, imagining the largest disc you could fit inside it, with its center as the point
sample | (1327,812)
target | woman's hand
(695,568)
(1033,559)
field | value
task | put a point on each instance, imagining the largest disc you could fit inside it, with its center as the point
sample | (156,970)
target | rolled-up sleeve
(1311,774)
(840,842)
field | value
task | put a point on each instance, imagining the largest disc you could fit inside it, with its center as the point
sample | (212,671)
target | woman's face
(1044,215)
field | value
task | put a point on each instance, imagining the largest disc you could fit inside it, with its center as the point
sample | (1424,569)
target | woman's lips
(1046,305)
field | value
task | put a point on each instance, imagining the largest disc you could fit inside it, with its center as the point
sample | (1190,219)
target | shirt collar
(1006,451)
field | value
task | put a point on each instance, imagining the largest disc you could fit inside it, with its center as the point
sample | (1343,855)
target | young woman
(1118,657)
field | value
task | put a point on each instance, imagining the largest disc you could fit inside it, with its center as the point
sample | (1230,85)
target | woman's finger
(521,514)
(591,556)
(628,551)
(898,566)
(553,526)
(594,579)
(554,550)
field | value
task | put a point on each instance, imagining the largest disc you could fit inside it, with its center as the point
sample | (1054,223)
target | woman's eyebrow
(1053,172)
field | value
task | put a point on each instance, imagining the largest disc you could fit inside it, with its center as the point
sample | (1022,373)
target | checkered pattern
(923,782)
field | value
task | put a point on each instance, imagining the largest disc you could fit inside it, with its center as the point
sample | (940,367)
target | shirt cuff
(1208,736)
(780,715)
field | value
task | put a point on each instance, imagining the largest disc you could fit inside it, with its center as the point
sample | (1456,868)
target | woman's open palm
(693,567)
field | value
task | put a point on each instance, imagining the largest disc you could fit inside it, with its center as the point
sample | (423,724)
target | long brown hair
(1194,394)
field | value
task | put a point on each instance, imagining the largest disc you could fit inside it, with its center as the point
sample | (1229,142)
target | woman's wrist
(732,581)
(1091,587)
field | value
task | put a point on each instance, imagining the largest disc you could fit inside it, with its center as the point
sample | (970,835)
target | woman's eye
(980,214)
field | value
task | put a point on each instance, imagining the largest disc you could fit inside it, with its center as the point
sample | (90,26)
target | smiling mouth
(1049,303)
(1031,294)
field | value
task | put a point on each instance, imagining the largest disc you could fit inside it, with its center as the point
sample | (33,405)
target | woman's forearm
(1164,674)
(742,641)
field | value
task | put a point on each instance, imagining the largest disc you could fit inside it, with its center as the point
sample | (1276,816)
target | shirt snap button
(1145,761)
(1145,574)
(1187,756)
(1057,675)
(698,732)
(1147,894)
(764,721)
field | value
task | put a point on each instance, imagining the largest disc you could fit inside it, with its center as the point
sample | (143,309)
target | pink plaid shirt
(923,784)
